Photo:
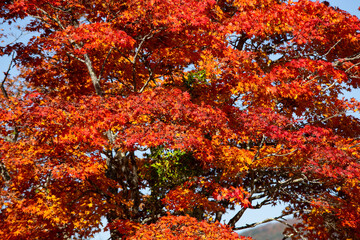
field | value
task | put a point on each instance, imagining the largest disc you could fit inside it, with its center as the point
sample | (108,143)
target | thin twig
(137,52)
(332,48)
(324,90)
(51,18)
(77,58)
(3,171)
(104,63)
(354,145)
(260,146)
(347,70)
(278,155)
(147,82)
(328,118)
(290,226)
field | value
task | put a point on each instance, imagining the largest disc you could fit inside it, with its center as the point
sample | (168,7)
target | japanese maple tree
(161,115)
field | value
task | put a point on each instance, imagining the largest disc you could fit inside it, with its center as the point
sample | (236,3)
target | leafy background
(272,230)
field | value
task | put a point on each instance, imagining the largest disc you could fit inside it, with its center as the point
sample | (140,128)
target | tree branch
(147,82)
(292,227)
(77,58)
(104,63)
(3,90)
(236,218)
(137,52)
(260,146)
(278,155)
(332,47)
(262,222)
(94,79)
(3,170)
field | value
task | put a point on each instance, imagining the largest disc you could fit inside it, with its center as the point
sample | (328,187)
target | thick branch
(4,172)
(262,222)
(3,90)
(95,80)
(236,218)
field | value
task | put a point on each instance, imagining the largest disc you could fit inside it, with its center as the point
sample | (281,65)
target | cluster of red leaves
(103,79)
(236,195)
(188,197)
(124,227)
(185,227)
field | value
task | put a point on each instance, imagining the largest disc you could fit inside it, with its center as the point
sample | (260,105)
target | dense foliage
(161,115)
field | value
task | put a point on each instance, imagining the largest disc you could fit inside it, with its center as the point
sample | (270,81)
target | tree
(161,115)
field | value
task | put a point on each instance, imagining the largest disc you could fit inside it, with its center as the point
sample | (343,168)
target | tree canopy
(161,115)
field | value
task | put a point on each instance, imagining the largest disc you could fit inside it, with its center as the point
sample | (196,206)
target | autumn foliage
(184,227)
(162,115)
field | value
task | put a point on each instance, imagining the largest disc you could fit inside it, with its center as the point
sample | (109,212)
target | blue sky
(348,5)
